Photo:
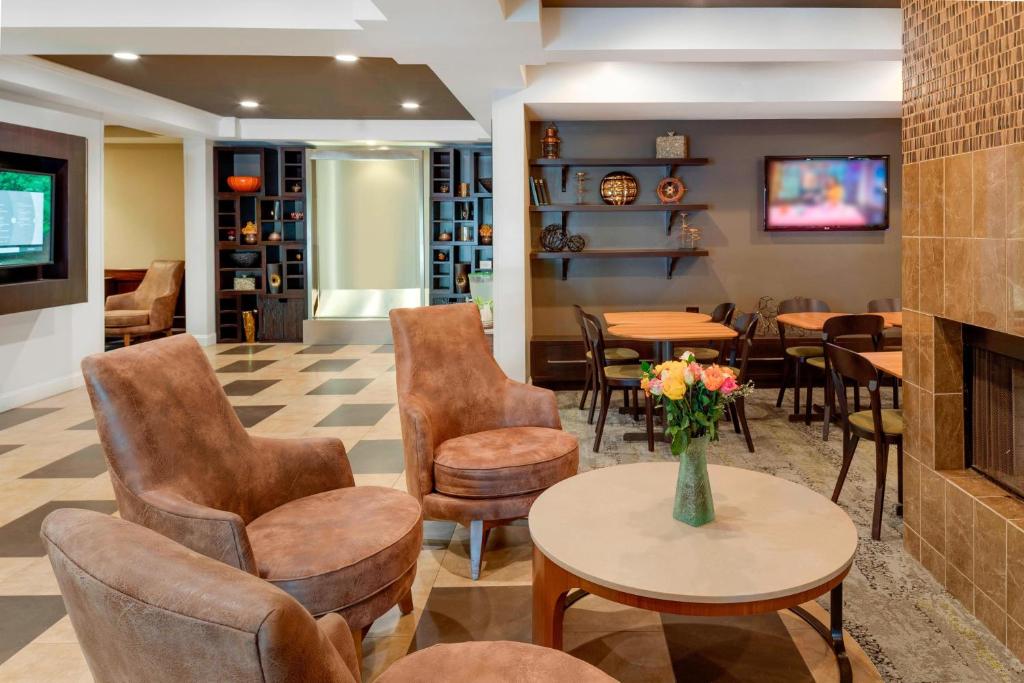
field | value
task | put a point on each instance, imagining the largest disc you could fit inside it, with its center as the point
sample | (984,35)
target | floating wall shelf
(671,256)
(670,164)
(670,210)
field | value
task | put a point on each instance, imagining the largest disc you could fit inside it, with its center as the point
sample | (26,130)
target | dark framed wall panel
(64,281)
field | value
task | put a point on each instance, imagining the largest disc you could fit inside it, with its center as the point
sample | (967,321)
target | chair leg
(625,398)
(829,402)
(405,604)
(899,478)
(586,385)
(881,466)
(649,415)
(895,393)
(127,340)
(810,395)
(796,387)
(849,448)
(593,401)
(734,414)
(476,547)
(785,381)
(741,409)
(606,398)
(636,405)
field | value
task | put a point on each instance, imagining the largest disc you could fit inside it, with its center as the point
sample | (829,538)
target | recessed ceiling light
(346,58)
(249,104)
(410,105)
(370,143)
(383,149)
(126,56)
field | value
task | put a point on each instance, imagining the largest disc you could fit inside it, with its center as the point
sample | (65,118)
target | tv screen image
(26,218)
(827,193)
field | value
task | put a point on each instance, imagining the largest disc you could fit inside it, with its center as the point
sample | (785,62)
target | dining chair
(746,325)
(862,325)
(795,357)
(722,314)
(615,355)
(610,377)
(884,427)
(892,305)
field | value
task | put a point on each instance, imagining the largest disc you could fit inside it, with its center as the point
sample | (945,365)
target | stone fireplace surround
(963,263)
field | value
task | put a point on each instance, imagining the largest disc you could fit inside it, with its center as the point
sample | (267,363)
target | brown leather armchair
(285,510)
(150,308)
(479,447)
(147,609)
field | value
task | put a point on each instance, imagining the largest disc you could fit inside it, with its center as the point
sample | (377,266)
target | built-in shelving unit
(671,256)
(670,164)
(280,207)
(458,216)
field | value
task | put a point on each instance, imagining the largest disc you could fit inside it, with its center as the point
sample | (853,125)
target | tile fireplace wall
(963,262)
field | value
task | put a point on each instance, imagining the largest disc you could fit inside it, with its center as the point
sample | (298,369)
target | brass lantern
(618,188)
(550,143)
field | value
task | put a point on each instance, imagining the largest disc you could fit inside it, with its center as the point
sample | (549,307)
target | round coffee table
(610,532)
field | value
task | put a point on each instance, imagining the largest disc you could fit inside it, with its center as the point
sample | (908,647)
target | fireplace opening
(994,406)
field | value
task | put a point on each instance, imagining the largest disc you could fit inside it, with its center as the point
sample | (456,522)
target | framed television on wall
(826,193)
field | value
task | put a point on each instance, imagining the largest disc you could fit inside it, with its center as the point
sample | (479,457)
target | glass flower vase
(694,504)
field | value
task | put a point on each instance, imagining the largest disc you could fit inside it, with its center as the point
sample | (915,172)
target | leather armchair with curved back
(147,609)
(479,447)
(285,510)
(150,308)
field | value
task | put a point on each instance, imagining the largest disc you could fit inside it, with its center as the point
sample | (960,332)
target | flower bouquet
(693,398)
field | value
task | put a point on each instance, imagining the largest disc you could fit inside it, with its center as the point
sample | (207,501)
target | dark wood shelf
(670,210)
(670,164)
(671,256)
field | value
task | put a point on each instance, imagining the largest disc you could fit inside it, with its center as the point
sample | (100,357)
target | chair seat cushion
(125,318)
(617,353)
(504,462)
(805,351)
(498,660)
(623,372)
(892,421)
(336,548)
(818,362)
(703,355)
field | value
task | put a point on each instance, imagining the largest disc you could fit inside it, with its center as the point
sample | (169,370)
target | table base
(553,593)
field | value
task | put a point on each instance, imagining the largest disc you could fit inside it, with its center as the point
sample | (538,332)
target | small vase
(694,504)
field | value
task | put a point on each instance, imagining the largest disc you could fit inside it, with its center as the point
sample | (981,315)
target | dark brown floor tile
(84,464)
(330,365)
(4,447)
(245,366)
(320,348)
(340,387)
(248,387)
(15,416)
(356,415)
(437,534)
(456,615)
(25,619)
(85,426)
(251,416)
(246,350)
(20,537)
(377,456)
(385,348)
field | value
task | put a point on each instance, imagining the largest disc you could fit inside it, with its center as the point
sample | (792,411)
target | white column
(512,307)
(200,285)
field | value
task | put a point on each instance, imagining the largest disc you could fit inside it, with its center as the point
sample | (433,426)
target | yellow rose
(674,388)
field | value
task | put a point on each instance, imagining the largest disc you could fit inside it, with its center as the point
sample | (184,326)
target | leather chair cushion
(818,362)
(892,421)
(624,372)
(504,462)
(333,549)
(492,661)
(805,351)
(617,354)
(125,318)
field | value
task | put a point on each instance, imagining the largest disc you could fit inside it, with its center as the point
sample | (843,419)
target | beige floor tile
(593,614)
(97,488)
(387,480)
(61,632)
(507,560)
(626,656)
(380,653)
(35,578)
(24,495)
(45,663)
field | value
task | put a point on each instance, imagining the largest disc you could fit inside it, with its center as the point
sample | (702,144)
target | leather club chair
(147,609)
(286,510)
(150,308)
(479,447)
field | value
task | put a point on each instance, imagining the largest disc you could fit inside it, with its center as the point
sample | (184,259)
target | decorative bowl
(486,183)
(245,259)
(244,183)
(618,188)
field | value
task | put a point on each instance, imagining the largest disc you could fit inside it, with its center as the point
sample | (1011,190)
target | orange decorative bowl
(244,183)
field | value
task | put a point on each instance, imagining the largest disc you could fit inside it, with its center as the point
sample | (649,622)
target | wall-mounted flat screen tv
(26,218)
(826,193)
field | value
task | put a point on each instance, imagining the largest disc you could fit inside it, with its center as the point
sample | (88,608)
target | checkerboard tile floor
(50,458)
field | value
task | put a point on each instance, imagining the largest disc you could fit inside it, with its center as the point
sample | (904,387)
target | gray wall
(845,269)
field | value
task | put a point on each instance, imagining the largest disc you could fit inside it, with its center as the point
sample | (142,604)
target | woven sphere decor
(553,237)
(618,188)
(575,243)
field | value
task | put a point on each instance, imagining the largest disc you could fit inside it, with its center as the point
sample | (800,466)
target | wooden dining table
(666,334)
(655,317)
(814,321)
(889,362)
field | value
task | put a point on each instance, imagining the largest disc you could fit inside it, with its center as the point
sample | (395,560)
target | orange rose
(712,378)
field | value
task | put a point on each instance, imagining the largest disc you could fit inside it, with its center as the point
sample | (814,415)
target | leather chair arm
(211,532)
(336,629)
(161,311)
(528,406)
(289,469)
(120,302)
(419,439)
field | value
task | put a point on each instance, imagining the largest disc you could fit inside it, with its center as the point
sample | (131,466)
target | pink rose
(729,385)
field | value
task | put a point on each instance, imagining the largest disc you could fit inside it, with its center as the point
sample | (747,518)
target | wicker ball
(575,242)
(618,188)
(553,237)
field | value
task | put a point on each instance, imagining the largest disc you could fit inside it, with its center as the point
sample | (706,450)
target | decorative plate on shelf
(671,190)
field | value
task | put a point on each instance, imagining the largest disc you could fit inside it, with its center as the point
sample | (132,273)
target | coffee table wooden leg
(833,633)
(550,585)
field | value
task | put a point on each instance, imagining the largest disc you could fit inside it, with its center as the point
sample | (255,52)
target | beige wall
(846,269)
(144,204)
